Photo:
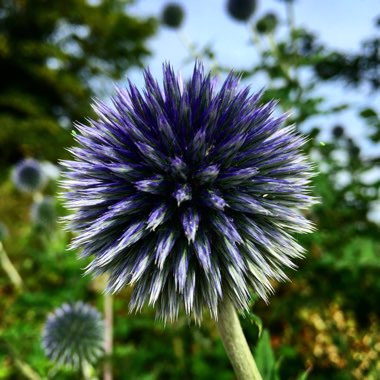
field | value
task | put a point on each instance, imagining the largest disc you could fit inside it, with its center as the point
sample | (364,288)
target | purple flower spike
(188,193)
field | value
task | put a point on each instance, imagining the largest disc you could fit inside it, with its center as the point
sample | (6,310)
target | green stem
(108,335)
(235,343)
(9,268)
(27,371)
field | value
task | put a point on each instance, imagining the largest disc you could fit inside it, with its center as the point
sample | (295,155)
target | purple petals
(182,193)
(237,286)
(202,249)
(213,199)
(224,226)
(226,150)
(231,253)
(152,185)
(130,236)
(234,176)
(160,160)
(188,291)
(180,270)
(207,174)
(165,243)
(166,131)
(141,265)
(247,204)
(158,216)
(156,285)
(190,222)
(199,145)
(179,167)
(128,206)
(152,155)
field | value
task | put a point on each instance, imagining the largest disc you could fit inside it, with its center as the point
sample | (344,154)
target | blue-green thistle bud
(338,131)
(267,24)
(241,10)
(172,15)
(73,335)
(28,176)
(43,212)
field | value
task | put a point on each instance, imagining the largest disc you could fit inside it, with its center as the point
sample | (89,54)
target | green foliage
(325,320)
(266,362)
(265,359)
(53,53)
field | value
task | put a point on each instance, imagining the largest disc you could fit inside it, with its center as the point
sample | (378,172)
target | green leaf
(265,359)
(367,113)
(256,321)
(304,375)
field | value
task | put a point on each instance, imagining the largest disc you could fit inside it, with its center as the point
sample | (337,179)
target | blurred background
(321,60)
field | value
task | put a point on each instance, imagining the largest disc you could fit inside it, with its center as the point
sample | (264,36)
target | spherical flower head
(172,15)
(28,175)
(43,212)
(267,24)
(189,193)
(338,131)
(73,334)
(241,10)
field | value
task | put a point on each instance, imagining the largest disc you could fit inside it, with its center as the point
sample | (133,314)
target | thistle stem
(108,341)
(9,268)
(235,343)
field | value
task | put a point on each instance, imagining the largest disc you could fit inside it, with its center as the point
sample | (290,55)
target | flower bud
(172,15)
(241,10)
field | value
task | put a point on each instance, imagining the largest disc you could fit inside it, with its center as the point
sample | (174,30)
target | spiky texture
(188,193)
(28,175)
(43,212)
(73,335)
(241,10)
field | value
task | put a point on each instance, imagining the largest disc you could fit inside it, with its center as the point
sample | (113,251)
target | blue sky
(340,24)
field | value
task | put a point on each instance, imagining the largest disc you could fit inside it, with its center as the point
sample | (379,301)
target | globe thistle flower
(267,24)
(338,131)
(43,212)
(241,10)
(73,335)
(189,193)
(172,15)
(28,175)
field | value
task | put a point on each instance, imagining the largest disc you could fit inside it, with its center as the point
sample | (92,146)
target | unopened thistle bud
(73,335)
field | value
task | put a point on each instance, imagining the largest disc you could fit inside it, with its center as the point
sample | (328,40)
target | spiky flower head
(28,175)
(73,335)
(189,193)
(241,10)
(172,15)
(43,212)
